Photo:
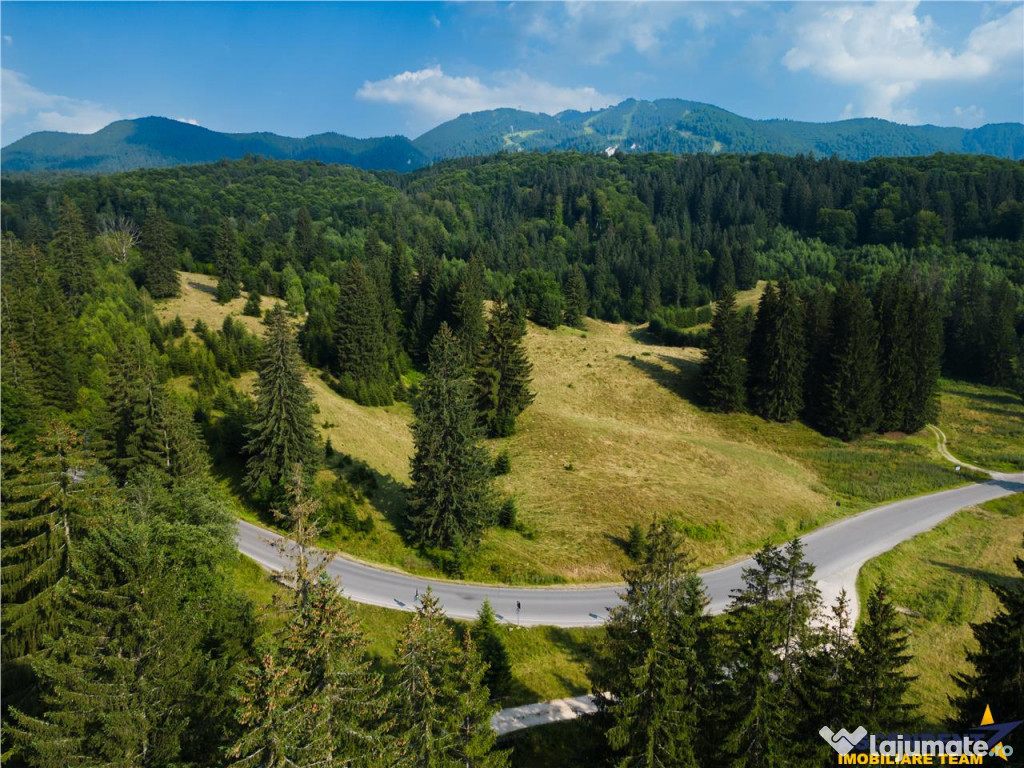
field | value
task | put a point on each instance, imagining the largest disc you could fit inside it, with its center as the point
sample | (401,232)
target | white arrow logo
(843,742)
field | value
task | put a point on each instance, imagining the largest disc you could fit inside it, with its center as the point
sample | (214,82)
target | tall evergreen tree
(486,637)
(503,371)
(777,355)
(282,433)
(158,259)
(882,683)
(996,679)
(441,708)
(896,342)
(851,387)
(73,254)
(305,240)
(723,372)
(451,498)
(118,685)
(725,273)
(576,300)
(362,359)
(657,664)
(469,309)
(767,629)
(228,258)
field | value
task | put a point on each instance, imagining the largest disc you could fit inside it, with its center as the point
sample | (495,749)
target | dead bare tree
(119,235)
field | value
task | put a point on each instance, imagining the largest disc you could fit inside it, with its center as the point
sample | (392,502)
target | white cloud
(437,96)
(189,120)
(969,116)
(888,51)
(435,21)
(8,40)
(595,31)
(24,109)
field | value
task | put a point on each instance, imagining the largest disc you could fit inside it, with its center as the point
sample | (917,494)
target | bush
(508,514)
(502,464)
(636,541)
(252,304)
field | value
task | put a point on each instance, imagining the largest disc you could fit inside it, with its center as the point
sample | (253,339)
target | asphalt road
(837,550)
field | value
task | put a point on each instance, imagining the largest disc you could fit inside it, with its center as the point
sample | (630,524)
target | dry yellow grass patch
(198,302)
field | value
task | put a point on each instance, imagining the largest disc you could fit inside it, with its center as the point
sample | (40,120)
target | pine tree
(469,309)
(777,355)
(657,663)
(159,261)
(997,677)
(897,338)
(576,301)
(882,683)
(851,380)
(228,258)
(825,687)
(282,433)
(767,627)
(305,240)
(451,498)
(441,708)
(118,686)
(252,304)
(818,340)
(50,502)
(723,371)
(503,371)
(999,335)
(926,359)
(486,636)
(362,359)
(73,254)
(725,273)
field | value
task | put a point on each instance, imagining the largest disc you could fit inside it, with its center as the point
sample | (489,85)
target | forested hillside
(664,125)
(132,439)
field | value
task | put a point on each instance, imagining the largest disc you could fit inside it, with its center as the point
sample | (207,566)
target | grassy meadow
(614,438)
(984,426)
(941,582)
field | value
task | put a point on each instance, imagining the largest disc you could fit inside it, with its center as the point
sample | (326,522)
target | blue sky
(367,69)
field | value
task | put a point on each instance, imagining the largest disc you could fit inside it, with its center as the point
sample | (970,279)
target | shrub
(508,514)
(502,464)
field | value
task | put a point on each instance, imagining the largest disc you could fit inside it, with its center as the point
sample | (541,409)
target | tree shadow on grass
(204,288)
(990,579)
(988,398)
(682,378)
(385,494)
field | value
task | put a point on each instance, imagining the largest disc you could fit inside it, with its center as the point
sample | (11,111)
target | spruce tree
(362,359)
(767,627)
(441,706)
(73,254)
(305,240)
(228,258)
(777,356)
(158,259)
(503,371)
(827,681)
(252,304)
(486,636)
(926,358)
(725,273)
(657,664)
(896,342)
(118,686)
(576,300)
(851,388)
(51,500)
(818,343)
(882,683)
(723,371)
(282,433)
(451,498)
(996,679)
(469,309)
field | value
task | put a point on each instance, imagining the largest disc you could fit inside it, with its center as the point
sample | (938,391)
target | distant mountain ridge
(664,125)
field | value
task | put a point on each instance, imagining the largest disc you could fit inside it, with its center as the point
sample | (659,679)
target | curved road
(837,550)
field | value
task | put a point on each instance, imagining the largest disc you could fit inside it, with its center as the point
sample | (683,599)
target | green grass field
(984,426)
(940,580)
(614,438)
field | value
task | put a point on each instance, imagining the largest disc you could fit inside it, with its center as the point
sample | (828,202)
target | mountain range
(664,125)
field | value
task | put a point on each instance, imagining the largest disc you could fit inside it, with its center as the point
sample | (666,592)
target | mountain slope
(153,142)
(664,125)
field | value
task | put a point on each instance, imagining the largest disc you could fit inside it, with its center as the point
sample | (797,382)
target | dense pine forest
(125,641)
